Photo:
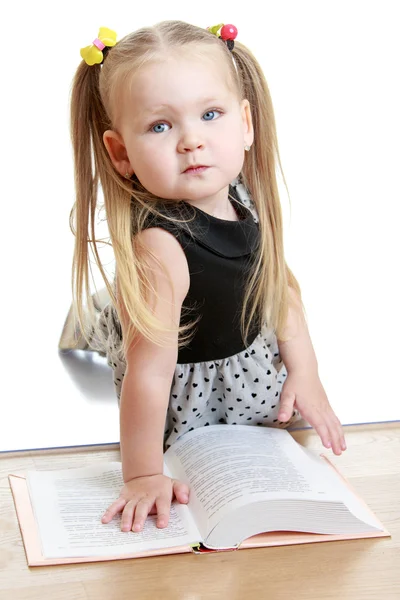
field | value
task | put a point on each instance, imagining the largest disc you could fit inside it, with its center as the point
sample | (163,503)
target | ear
(247,123)
(117,151)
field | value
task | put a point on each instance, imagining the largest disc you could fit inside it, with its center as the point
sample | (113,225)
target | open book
(249,486)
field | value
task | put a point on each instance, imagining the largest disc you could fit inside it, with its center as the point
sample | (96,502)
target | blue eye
(158,127)
(209,115)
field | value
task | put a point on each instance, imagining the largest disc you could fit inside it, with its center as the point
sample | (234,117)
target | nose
(190,140)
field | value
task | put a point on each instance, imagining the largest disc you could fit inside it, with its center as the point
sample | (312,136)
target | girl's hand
(142,496)
(305,392)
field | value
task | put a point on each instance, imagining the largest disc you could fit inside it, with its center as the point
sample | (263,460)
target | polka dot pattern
(243,389)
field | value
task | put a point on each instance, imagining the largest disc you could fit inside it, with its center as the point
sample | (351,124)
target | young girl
(204,323)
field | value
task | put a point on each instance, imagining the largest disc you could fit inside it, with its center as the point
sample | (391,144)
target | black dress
(218,378)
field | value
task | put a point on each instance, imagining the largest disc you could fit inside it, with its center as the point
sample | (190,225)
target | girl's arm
(302,388)
(150,368)
(297,353)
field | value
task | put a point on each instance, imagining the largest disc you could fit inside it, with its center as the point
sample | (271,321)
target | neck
(218,206)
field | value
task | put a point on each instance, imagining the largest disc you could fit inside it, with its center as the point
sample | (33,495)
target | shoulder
(164,248)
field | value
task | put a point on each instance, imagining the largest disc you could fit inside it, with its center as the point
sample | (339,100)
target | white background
(333,73)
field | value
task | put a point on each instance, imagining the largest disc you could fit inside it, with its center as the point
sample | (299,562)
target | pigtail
(89,120)
(267,293)
(83,114)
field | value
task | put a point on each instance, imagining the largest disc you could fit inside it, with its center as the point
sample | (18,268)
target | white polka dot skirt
(243,389)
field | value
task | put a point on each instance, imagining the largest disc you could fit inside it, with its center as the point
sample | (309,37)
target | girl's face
(181,113)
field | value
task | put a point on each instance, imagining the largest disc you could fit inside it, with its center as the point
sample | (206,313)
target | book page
(228,467)
(68,506)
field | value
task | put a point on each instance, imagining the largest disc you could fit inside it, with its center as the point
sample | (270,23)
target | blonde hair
(94,109)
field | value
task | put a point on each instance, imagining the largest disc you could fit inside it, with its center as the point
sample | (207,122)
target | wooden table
(367,569)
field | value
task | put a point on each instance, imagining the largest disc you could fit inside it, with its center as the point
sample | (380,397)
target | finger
(339,428)
(335,433)
(153,510)
(112,510)
(127,516)
(286,406)
(335,441)
(323,432)
(331,435)
(181,491)
(163,510)
(143,508)
(337,436)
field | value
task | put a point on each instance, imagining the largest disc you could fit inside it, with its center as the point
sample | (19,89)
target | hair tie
(227,33)
(96,53)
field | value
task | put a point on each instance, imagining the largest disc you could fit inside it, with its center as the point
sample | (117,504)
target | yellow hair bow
(215,28)
(93,54)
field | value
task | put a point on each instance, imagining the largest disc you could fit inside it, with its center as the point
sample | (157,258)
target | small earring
(127,176)
(247,148)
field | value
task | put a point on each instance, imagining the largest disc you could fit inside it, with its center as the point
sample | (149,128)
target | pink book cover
(35,558)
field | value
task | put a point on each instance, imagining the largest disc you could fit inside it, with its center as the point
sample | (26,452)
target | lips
(194,168)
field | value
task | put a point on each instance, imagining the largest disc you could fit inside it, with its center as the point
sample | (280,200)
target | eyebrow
(162,107)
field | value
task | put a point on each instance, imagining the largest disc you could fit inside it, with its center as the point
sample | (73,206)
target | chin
(198,192)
